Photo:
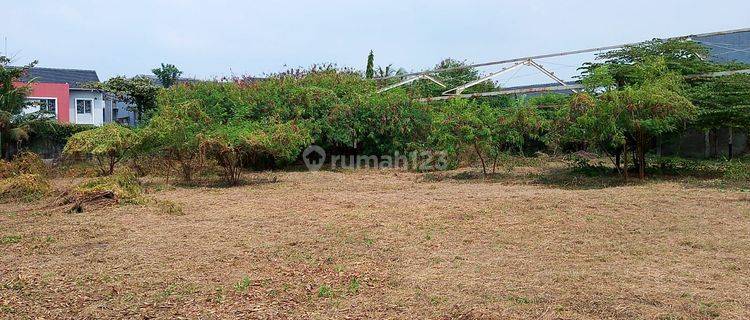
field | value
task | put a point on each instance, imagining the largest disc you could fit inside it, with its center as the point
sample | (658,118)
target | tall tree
(13,125)
(370,71)
(167,74)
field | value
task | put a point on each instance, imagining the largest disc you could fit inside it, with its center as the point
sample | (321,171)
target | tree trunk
(731,143)
(707,142)
(716,142)
(641,162)
(112,162)
(479,153)
(658,146)
(625,160)
(641,155)
(617,160)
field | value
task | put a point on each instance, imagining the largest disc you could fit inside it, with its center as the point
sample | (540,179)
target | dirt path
(385,245)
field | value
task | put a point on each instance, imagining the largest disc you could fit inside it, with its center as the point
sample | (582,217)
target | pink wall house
(64,93)
(51,95)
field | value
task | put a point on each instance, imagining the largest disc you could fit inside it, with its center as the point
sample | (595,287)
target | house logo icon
(314,157)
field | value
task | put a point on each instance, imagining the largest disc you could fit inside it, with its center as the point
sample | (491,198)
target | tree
(650,103)
(370,70)
(108,144)
(452,79)
(138,91)
(175,133)
(168,74)
(684,57)
(723,102)
(13,125)
(490,133)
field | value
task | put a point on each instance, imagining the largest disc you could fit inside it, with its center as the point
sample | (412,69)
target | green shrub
(123,185)
(23,163)
(232,145)
(25,187)
(738,171)
(108,145)
(29,163)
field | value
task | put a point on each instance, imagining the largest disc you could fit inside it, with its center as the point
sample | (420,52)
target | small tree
(108,144)
(168,74)
(651,104)
(370,70)
(511,128)
(489,132)
(461,125)
(232,145)
(175,133)
(13,126)
(139,91)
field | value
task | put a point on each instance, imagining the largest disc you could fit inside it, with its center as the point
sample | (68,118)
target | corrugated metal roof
(73,77)
(729,47)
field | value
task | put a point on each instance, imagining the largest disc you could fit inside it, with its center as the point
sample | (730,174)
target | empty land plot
(385,244)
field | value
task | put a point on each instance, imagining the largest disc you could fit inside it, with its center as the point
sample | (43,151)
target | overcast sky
(214,38)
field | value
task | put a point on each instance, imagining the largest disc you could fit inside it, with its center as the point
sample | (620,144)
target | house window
(44,104)
(83,106)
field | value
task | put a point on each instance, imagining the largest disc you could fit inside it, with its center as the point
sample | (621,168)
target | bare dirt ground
(385,244)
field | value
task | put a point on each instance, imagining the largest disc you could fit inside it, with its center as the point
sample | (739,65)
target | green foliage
(123,185)
(25,187)
(325,291)
(233,145)
(738,171)
(340,109)
(13,126)
(647,101)
(167,74)
(139,91)
(723,101)
(108,144)
(370,69)
(683,57)
(451,78)
(243,284)
(55,132)
(491,133)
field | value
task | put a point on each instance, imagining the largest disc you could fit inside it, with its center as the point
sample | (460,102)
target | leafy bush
(175,131)
(56,132)
(491,133)
(108,144)
(237,123)
(23,163)
(25,186)
(123,185)
(29,163)
(738,171)
(232,145)
(7,169)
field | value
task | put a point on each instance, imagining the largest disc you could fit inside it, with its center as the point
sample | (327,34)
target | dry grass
(388,244)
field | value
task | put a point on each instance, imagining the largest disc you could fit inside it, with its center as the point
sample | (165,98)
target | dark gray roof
(728,47)
(74,77)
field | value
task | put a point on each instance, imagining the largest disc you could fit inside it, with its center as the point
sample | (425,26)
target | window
(44,104)
(83,106)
